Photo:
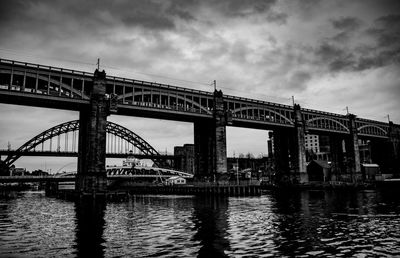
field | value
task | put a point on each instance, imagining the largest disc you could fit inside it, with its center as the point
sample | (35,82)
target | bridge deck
(46,86)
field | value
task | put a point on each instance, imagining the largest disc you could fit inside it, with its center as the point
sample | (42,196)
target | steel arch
(161,93)
(277,114)
(321,118)
(71,126)
(49,81)
(359,129)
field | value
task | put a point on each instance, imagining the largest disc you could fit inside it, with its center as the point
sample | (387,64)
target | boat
(137,170)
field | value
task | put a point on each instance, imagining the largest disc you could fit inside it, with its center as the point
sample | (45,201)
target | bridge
(55,153)
(113,173)
(46,86)
(62,141)
(97,95)
(31,179)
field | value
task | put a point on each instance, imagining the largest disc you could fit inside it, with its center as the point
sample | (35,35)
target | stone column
(220,117)
(394,139)
(91,176)
(352,151)
(300,165)
(281,155)
(336,150)
(210,142)
(203,148)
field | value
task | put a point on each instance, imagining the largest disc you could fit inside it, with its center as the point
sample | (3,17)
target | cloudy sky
(327,54)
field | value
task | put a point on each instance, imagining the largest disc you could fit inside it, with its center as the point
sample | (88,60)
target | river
(301,223)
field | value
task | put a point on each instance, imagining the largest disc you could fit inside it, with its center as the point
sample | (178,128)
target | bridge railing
(114,79)
(44,67)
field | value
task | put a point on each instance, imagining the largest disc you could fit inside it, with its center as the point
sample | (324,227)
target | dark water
(305,223)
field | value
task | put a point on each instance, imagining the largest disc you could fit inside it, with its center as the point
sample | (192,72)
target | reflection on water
(303,223)
(210,216)
(89,227)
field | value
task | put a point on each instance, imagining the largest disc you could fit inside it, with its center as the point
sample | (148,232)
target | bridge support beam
(353,151)
(210,142)
(290,152)
(281,154)
(204,151)
(381,154)
(394,138)
(299,153)
(220,117)
(336,150)
(386,152)
(91,176)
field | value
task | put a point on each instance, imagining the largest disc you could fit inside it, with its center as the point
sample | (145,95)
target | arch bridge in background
(114,129)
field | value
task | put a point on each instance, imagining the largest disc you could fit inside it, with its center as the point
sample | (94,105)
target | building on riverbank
(186,161)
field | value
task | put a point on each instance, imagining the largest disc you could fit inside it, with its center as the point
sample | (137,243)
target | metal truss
(71,126)
(145,172)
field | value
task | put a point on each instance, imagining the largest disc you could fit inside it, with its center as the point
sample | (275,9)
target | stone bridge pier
(386,152)
(290,152)
(210,142)
(337,156)
(394,139)
(91,178)
(353,161)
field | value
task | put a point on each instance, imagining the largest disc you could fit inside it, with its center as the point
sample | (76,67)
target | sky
(328,54)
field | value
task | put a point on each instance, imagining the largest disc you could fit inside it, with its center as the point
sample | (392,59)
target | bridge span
(97,95)
(62,141)
(38,153)
(46,86)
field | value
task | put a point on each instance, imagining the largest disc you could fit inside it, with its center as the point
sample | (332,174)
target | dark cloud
(358,59)
(231,9)
(345,52)
(390,21)
(335,58)
(328,52)
(345,63)
(347,27)
(346,23)
(386,31)
(298,80)
(305,9)
(153,15)
(277,17)
(243,8)
(147,14)
(341,37)
(145,17)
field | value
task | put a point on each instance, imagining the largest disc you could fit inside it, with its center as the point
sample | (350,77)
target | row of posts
(209,141)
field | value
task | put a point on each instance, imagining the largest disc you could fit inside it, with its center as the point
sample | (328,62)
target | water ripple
(301,224)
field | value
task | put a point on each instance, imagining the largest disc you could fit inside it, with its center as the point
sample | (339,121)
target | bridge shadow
(90,225)
(210,217)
